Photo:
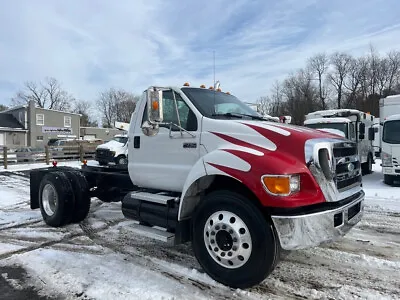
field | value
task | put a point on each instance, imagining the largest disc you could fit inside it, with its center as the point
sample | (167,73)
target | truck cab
(352,124)
(391,149)
(389,112)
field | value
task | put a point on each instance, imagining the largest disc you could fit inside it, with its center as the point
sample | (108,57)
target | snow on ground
(102,258)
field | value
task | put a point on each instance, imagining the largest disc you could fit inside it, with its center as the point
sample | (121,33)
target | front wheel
(122,160)
(388,179)
(367,166)
(233,241)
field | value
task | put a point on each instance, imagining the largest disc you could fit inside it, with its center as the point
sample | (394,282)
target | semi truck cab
(353,124)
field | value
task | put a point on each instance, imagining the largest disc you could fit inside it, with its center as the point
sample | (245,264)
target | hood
(260,136)
(333,131)
(110,145)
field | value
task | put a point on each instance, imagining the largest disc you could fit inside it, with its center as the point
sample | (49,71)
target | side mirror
(371,134)
(154,105)
(361,131)
(362,128)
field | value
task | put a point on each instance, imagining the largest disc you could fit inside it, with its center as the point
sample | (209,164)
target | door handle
(189,145)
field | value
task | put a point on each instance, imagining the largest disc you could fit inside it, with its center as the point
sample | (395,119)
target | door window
(186,116)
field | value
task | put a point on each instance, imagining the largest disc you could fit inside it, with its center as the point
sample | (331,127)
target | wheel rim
(49,199)
(227,239)
(122,161)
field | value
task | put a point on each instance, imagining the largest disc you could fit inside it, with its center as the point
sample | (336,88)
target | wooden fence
(46,155)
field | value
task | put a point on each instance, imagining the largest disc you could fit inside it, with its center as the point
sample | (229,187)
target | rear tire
(82,198)
(56,199)
(244,251)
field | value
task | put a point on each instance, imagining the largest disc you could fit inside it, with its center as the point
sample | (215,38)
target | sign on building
(57,130)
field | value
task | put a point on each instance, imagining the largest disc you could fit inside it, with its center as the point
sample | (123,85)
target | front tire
(122,160)
(367,167)
(388,179)
(233,241)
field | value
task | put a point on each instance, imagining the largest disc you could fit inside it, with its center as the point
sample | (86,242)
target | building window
(40,119)
(67,121)
(39,138)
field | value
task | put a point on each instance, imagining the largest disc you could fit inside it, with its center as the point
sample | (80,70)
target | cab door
(164,160)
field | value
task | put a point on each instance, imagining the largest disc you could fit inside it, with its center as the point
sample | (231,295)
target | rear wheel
(56,199)
(82,197)
(232,240)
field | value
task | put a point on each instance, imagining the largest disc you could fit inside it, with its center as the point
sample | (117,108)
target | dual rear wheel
(63,198)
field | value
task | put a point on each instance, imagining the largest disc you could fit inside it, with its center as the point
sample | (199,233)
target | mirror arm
(181,129)
(177,114)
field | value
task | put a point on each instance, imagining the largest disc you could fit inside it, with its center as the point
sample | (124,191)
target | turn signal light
(211,88)
(228,93)
(54,163)
(84,162)
(281,185)
(218,90)
(203,86)
(154,105)
(186,84)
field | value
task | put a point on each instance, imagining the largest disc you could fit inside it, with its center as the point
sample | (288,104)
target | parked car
(30,154)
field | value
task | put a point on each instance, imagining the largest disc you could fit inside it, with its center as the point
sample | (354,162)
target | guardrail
(49,153)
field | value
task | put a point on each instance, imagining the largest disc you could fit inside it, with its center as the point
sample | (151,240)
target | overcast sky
(93,45)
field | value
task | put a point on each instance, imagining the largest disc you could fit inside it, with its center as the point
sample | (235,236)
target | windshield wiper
(240,115)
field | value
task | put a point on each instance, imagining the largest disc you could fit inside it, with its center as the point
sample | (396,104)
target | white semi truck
(353,125)
(389,113)
(238,187)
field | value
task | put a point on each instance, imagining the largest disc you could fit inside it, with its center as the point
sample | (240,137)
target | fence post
(5,157)
(46,149)
(81,153)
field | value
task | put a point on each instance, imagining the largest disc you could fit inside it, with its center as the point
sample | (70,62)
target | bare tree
(341,63)
(49,95)
(84,108)
(116,105)
(319,65)
(3,107)
(394,69)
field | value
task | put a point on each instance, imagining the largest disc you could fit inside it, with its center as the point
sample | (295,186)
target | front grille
(396,162)
(103,154)
(342,151)
(348,166)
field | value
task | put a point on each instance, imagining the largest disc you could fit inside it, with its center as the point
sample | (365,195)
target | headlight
(113,153)
(281,185)
(386,159)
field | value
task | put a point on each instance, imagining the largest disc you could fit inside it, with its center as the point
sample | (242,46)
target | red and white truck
(207,169)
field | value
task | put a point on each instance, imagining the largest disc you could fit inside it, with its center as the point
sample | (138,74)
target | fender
(202,175)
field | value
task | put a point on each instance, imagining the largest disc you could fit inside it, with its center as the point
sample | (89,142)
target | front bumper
(310,230)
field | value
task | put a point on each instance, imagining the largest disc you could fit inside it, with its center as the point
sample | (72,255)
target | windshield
(391,132)
(211,102)
(338,126)
(120,139)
